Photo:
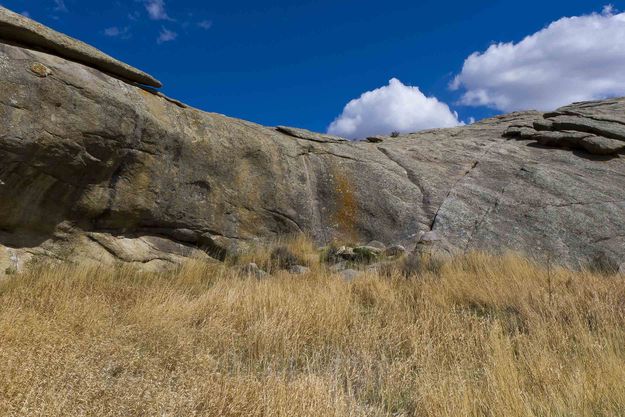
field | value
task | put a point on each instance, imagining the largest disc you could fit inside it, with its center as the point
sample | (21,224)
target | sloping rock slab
(308,135)
(17,28)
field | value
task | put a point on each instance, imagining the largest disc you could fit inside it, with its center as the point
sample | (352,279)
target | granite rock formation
(95,167)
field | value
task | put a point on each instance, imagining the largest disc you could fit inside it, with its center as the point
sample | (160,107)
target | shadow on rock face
(579,153)
(601,158)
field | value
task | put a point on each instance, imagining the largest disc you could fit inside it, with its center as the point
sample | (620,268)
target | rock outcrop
(594,127)
(95,168)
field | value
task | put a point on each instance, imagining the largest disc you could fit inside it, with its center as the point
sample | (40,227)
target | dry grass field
(480,336)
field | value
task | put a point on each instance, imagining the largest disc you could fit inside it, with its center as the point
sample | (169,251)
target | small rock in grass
(349,274)
(252,269)
(377,244)
(395,250)
(299,269)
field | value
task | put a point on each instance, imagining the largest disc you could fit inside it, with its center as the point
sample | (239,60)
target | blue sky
(300,62)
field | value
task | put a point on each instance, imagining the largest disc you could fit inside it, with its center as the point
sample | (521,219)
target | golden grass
(485,336)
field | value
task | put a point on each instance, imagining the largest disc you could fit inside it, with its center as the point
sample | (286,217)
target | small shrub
(395,134)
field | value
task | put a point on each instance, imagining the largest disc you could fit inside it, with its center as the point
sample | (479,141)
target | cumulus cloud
(395,107)
(156,9)
(572,59)
(166,35)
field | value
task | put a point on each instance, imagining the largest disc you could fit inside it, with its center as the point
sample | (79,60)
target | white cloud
(205,24)
(395,107)
(117,32)
(573,59)
(156,9)
(166,35)
(609,9)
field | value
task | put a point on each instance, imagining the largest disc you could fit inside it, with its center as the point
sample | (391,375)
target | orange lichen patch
(346,206)
(40,70)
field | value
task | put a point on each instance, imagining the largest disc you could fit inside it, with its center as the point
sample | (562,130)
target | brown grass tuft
(479,336)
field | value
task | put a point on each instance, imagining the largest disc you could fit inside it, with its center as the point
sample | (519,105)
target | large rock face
(92,167)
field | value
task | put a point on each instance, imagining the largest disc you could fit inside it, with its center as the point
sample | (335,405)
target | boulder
(598,145)
(346,253)
(395,250)
(367,253)
(252,270)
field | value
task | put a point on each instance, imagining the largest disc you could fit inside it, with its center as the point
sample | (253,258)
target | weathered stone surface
(599,145)
(83,154)
(607,128)
(308,135)
(596,127)
(564,139)
(24,31)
